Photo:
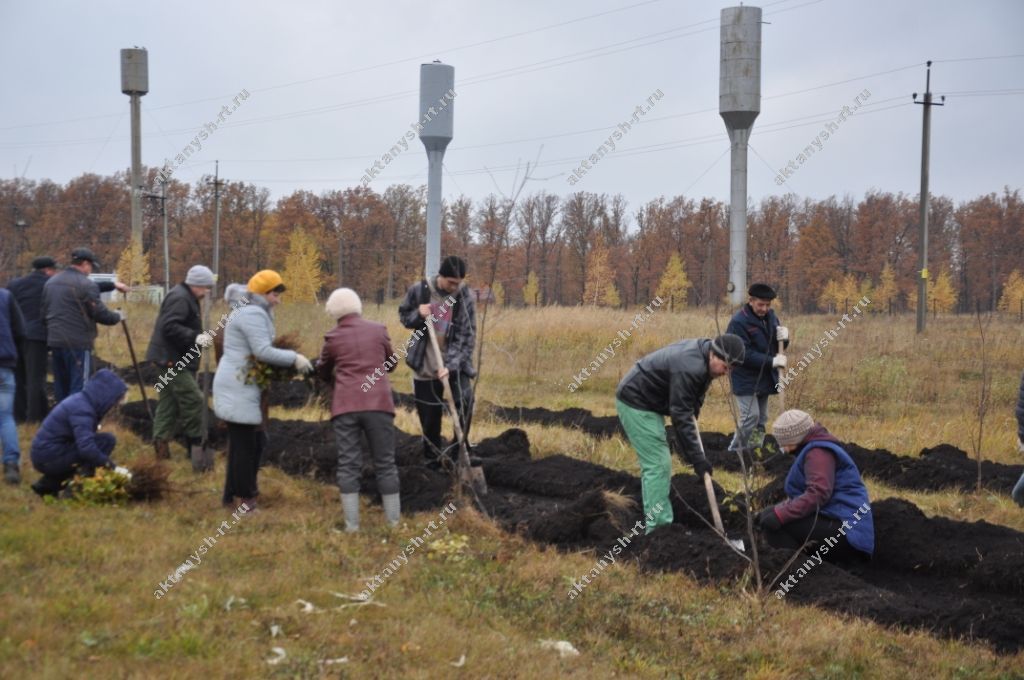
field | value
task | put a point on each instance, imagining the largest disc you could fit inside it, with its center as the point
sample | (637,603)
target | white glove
(204,340)
(1020,446)
(123,471)
(120,314)
(782,333)
(302,364)
(779,361)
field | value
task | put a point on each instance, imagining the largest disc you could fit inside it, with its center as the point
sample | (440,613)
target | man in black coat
(71,309)
(177,342)
(12,330)
(30,402)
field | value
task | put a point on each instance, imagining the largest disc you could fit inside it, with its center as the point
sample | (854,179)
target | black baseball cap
(80,254)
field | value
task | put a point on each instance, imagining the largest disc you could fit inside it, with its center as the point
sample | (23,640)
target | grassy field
(77,588)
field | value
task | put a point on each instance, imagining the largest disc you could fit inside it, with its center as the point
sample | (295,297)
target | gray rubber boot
(350,506)
(392,508)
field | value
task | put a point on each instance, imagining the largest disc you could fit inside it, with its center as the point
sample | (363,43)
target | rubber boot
(392,508)
(162,449)
(350,506)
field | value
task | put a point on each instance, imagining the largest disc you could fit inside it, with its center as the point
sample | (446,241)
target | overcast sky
(333,85)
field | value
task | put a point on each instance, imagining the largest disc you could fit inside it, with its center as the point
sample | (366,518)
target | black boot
(12,473)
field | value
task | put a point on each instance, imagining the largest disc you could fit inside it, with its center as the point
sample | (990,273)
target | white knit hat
(791,427)
(342,302)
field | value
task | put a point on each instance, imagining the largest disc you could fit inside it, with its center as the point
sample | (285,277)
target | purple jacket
(354,349)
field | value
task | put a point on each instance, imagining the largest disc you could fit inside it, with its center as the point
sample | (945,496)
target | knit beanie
(791,427)
(729,347)
(263,282)
(453,267)
(200,276)
(342,302)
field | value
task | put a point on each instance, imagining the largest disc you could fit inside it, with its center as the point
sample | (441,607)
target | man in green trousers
(671,381)
(175,346)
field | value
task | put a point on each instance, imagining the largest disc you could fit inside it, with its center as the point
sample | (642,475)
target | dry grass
(76,598)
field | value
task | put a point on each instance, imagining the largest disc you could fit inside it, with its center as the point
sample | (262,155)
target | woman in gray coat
(236,400)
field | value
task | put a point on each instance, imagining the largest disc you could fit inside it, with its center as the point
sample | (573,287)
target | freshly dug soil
(951,578)
(941,467)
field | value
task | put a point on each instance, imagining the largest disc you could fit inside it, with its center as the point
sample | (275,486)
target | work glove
(782,333)
(302,364)
(123,471)
(779,361)
(204,340)
(700,467)
(121,316)
(1020,446)
(767,520)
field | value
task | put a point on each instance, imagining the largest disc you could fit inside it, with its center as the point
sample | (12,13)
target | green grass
(76,592)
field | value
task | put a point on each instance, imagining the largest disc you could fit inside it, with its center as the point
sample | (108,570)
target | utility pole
(217,183)
(162,197)
(922,287)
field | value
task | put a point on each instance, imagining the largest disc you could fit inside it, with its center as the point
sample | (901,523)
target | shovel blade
(202,458)
(474,477)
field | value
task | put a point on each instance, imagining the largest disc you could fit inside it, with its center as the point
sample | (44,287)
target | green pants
(180,408)
(646,432)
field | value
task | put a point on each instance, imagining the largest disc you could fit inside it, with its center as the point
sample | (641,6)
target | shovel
(202,455)
(782,392)
(469,475)
(138,371)
(736,543)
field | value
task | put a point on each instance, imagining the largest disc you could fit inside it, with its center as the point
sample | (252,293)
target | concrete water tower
(135,83)
(437,115)
(739,102)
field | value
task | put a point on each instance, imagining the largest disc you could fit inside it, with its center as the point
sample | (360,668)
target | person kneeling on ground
(67,442)
(671,381)
(827,497)
(353,349)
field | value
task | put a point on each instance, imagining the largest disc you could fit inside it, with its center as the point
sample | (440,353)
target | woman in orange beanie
(249,337)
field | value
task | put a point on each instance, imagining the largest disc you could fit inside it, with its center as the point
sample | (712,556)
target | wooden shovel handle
(713,502)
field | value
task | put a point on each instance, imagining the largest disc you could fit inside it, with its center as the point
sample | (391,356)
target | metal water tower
(437,116)
(739,102)
(135,83)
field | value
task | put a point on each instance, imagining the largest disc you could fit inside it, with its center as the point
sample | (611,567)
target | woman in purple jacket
(354,349)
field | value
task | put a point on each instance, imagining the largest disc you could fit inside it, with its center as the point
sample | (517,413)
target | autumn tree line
(542,249)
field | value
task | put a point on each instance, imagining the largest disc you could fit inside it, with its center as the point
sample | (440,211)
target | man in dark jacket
(175,346)
(71,310)
(30,402)
(446,303)
(12,330)
(67,442)
(754,380)
(1018,489)
(828,507)
(671,381)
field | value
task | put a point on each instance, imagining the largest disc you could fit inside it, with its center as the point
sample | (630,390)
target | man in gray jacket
(175,346)
(671,381)
(71,310)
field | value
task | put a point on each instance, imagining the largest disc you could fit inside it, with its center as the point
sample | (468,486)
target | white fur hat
(342,302)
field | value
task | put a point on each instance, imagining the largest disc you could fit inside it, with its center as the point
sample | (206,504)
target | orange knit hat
(265,281)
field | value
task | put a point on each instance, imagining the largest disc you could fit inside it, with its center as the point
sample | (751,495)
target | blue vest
(849,495)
